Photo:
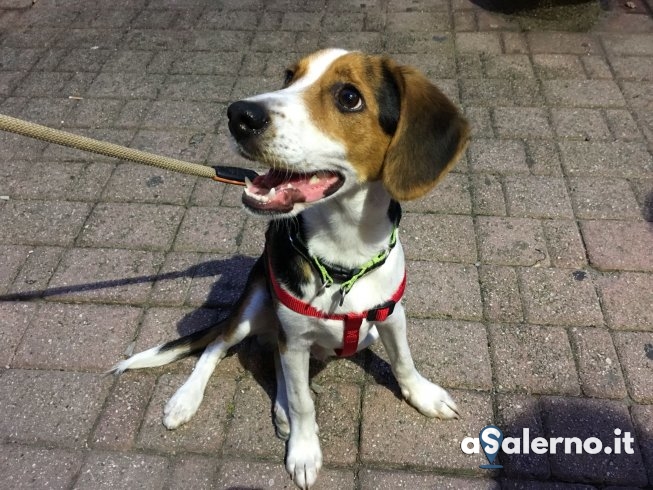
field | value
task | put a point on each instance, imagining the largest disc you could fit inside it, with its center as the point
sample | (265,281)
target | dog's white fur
(346,228)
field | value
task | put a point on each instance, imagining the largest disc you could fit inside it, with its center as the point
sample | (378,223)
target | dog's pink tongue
(280,190)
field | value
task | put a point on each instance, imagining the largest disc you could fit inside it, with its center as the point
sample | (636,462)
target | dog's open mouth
(279,190)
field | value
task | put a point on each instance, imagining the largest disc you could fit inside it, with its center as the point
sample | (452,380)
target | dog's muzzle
(247,119)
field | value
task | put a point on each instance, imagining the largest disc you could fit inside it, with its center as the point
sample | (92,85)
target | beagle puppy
(347,137)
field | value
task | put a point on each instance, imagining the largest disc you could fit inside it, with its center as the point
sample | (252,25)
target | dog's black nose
(247,119)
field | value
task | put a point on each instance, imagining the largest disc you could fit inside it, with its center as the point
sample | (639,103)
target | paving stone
(42,222)
(128,470)
(395,433)
(219,280)
(514,43)
(631,44)
(542,158)
(615,159)
(488,195)
(141,183)
(356,369)
(379,479)
(511,241)
(555,66)
(208,230)
(174,279)
(193,471)
(439,237)
(533,359)
(493,92)
(123,276)
(50,407)
(632,67)
(14,320)
(503,156)
(192,147)
(451,196)
(131,225)
(537,197)
(584,418)
(596,67)
(121,418)
(602,198)
(508,66)
(25,467)
(483,42)
(618,245)
(598,364)
(635,351)
(623,125)
(441,289)
(643,421)
(13,258)
(522,122)
(64,154)
(204,433)
(338,415)
(77,337)
(500,290)
(245,474)
(463,363)
(563,42)
(564,243)
(251,432)
(586,124)
(626,298)
(464,21)
(583,93)
(559,297)
(514,414)
(480,120)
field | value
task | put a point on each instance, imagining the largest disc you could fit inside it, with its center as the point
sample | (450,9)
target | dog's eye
(349,99)
(288,76)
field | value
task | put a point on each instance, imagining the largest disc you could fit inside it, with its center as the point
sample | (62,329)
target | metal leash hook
(219,173)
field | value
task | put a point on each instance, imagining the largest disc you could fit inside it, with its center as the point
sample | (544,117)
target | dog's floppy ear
(429,138)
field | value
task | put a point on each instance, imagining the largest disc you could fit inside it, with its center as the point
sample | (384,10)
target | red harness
(353,321)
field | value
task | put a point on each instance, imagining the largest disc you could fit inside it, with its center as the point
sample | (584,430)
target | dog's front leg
(429,398)
(304,457)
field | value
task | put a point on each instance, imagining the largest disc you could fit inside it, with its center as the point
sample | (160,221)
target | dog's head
(341,119)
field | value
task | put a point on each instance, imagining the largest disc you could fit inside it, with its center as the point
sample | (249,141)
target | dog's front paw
(182,406)
(430,399)
(304,460)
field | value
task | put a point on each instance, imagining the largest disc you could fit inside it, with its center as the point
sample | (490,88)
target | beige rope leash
(229,175)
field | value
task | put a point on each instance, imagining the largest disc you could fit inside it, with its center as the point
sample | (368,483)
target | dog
(347,137)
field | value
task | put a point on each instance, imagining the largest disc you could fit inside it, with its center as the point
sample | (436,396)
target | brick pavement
(530,267)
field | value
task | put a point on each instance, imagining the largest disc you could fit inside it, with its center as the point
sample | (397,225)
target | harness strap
(352,321)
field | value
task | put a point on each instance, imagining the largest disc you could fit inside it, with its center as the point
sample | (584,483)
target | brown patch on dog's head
(404,132)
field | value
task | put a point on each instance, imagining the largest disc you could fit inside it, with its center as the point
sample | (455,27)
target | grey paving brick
(623,125)
(257,474)
(131,225)
(77,337)
(13,258)
(174,278)
(219,279)
(559,297)
(596,67)
(543,158)
(492,92)
(188,146)
(488,195)
(563,42)
(614,159)
(500,290)
(195,471)
(439,237)
(392,431)
(208,230)
(598,364)
(511,241)
(586,124)
(643,421)
(537,197)
(533,359)
(635,351)
(508,66)
(626,299)
(583,93)
(628,44)
(105,275)
(338,415)
(503,156)
(484,42)
(555,66)
(42,222)
(441,289)
(618,245)
(584,418)
(450,196)
(565,245)
(522,122)
(603,198)
(205,432)
(464,21)
(379,479)
(121,417)
(14,320)
(50,407)
(24,466)
(514,43)
(129,470)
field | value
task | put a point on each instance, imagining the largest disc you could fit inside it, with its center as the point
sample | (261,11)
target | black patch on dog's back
(389,100)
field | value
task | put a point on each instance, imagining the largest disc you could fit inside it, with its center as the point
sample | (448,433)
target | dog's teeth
(314,180)
(290,186)
(272,193)
(248,183)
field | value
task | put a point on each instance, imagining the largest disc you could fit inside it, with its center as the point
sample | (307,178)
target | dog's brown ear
(430,136)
